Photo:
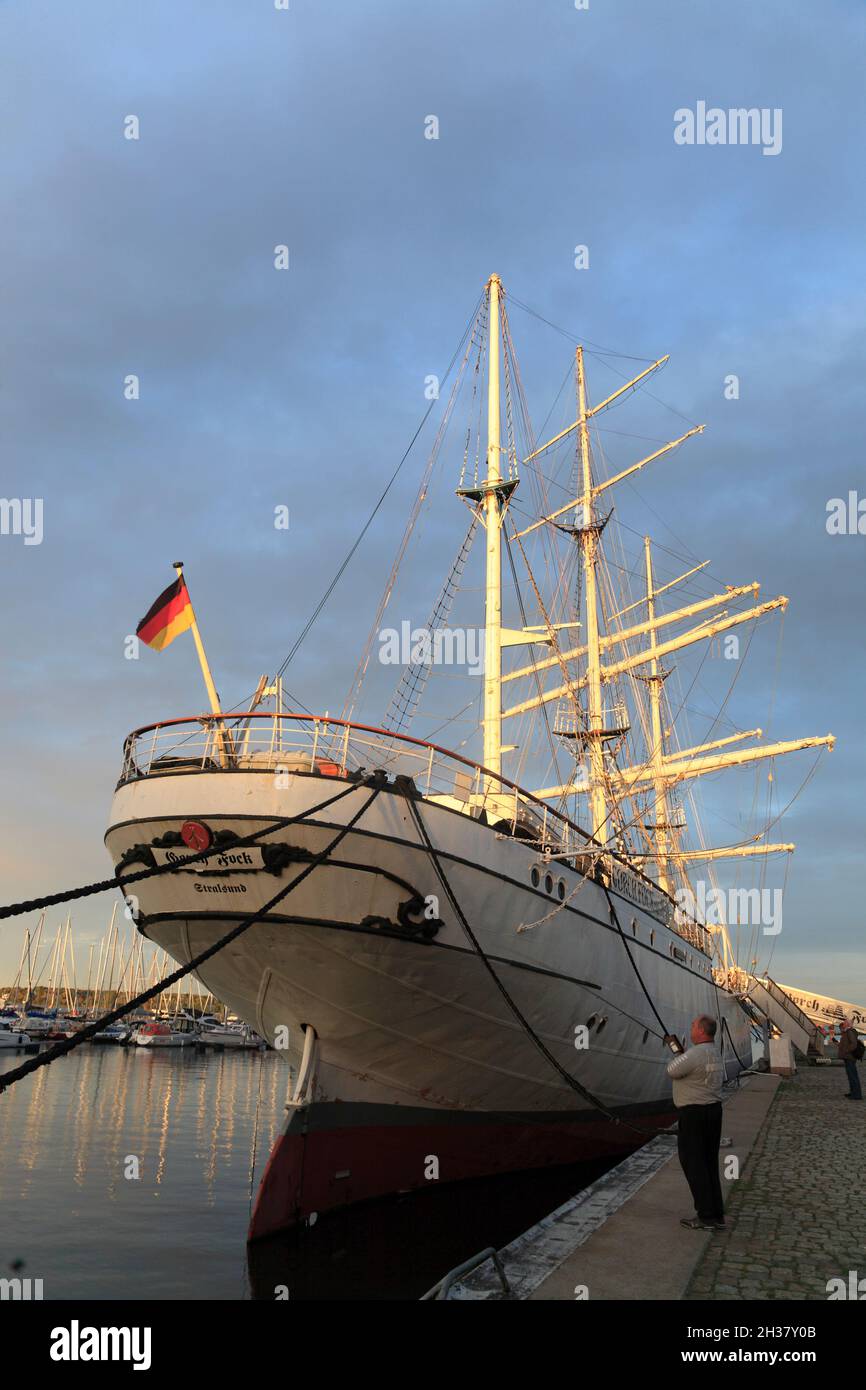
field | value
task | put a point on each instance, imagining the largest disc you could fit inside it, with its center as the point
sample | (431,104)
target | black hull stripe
(326,1115)
(328,923)
(466,863)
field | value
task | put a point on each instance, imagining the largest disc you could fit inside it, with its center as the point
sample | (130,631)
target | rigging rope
(368,523)
(410,688)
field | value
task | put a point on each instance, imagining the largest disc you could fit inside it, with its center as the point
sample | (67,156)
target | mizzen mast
(588,536)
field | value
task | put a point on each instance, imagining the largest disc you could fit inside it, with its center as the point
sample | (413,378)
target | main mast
(655,681)
(492,505)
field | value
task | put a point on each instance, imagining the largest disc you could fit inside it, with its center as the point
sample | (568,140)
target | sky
(306,127)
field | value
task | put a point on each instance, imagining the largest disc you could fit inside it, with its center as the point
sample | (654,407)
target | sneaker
(717,1225)
(694,1223)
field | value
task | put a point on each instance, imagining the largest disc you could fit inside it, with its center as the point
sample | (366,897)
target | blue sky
(305,127)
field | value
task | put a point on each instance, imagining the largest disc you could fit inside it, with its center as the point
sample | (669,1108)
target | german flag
(170,615)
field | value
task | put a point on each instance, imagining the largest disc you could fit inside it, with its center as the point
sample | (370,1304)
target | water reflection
(201,1126)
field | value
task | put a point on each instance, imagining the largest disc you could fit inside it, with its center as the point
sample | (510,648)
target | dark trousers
(853,1078)
(699,1130)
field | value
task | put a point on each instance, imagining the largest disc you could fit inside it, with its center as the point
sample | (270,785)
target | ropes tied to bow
(105,884)
(60,1049)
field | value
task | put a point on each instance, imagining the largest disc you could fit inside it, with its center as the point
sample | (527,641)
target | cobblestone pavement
(797,1214)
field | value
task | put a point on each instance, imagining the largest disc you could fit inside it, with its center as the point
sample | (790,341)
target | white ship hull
(417,1050)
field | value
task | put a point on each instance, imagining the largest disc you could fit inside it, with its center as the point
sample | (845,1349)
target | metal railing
(283,744)
(441,1290)
(291,743)
(571,722)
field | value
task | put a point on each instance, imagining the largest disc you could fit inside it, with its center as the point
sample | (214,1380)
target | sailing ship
(478,973)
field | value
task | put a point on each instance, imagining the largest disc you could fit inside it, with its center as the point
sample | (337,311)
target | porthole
(590,1022)
(652,937)
(634,926)
(560,890)
(548,884)
(535,876)
(601,1025)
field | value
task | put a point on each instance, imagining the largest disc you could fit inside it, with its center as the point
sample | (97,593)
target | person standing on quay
(848,1041)
(697,1076)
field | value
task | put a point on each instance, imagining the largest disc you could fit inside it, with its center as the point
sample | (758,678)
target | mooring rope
(61,1048)
(105,884)
(542,1047)
(744,1065)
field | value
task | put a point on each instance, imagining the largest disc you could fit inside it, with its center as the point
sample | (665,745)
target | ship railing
(695,933)
(286,744)
(283,744)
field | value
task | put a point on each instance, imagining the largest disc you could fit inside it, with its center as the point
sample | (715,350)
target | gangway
(788,1017)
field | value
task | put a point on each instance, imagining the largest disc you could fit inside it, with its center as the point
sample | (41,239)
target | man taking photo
(698,1075)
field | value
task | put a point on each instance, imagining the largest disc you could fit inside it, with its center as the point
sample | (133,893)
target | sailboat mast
(589,535)
(493,524)
(654,681)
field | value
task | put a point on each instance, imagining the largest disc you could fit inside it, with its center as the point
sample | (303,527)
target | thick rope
(104,885)
(60,1049)
(515,1010)
(632,962)
(744,1065)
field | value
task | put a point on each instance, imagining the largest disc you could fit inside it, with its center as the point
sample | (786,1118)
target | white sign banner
(822,1009)
(244,860)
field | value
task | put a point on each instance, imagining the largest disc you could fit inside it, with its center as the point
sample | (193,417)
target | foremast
(489,500)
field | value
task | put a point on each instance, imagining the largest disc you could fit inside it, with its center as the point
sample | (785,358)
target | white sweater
(697,1075)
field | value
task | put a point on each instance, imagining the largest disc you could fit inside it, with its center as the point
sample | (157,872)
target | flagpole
(205,668)
(199,646)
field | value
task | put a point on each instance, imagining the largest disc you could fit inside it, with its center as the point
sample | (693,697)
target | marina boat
(230,1035)
(40,1023)
(162,1034)
(114,1033)
(478,973)
(12,1038)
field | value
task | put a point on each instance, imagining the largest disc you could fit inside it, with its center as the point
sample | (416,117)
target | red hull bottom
(335,1155)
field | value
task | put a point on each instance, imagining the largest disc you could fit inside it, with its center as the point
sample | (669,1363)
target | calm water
(201,1126)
